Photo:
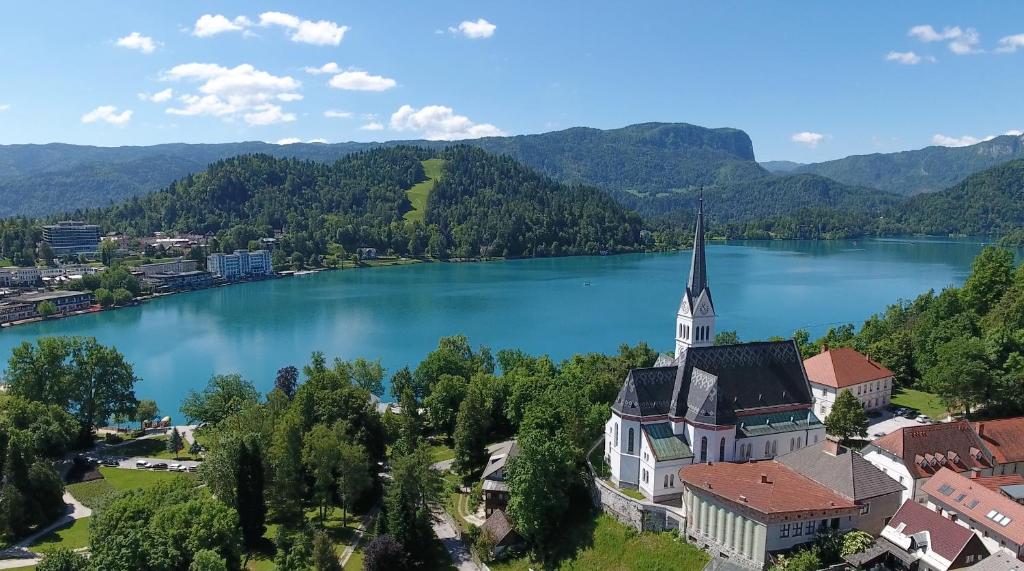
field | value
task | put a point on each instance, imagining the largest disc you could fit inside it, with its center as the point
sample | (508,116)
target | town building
(996,518)
(72,237)
(1001,560)
(241,264)
(843,369)
(366,253)
(64,301)
(1004,438)
(921,539)
(847,473)
(914,454)
(495,490)
(15,311)
(175,266)
(502,533)
(1009,485)
(20,277)
(707,403)
(745,512)
(194,279)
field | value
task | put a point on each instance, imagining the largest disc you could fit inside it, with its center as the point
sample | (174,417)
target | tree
(856,541)
(174,442)
(802,560)
(727,338)
(288,483)
(195,449)
(415,485)
(442,404)
(103,297)
(108,248)
(223,396)
(46,308)
(847,418)
(471,431)
(991,276)
(287,380)
(961,375)
(353,476)
(293,551)
(208,560)
(250,503)
(324,557)
(123,296)
(384,553)
(62,559)
(538,492)
(368,375)
(321,456)
(146,410)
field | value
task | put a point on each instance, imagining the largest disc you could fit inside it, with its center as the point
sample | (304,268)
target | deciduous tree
(847,418)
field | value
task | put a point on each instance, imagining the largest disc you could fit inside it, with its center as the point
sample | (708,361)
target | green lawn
(73,536)
(598,542)
(635,494)
(151,448)
(922,402)
(115,480)
(419,193)
(440,452)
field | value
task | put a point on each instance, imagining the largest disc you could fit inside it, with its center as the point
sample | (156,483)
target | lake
(397,314)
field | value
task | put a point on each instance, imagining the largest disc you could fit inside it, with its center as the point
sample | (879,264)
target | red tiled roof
(967,497)
(948,538)
(927,448)
(784,491)
(994,483)
(1005,438)
(842,367)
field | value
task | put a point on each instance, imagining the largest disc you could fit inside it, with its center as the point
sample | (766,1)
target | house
(366,253)
(501,532)
(996,518)
(178,265)
(495,490)
(194,279)
(13,311)
(65,301)
(1005,439)
(706,403)
(20,276)
(1009,485)
(1001,560)
(842,369)
(746,511)
(847,473)
(913,454)
(918,538)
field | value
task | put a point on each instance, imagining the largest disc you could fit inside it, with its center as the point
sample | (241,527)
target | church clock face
(703,307)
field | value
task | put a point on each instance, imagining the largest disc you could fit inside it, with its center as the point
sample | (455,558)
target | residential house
(501,532)
(842,369)
(1005,439)
(13,311)
(996,518)
(495,490)
(194,279)
(20,276)
(1001,560)
(913,454)
(746,512)
(1009,485)
(846,472)
(707,403)
(64,301)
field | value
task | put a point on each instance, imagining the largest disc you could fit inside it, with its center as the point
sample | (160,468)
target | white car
(141,464)
(176,468)
(923,419)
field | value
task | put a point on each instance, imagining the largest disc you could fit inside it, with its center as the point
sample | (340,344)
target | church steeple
(695,321)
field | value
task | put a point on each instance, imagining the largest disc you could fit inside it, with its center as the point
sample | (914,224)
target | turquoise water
(541,306)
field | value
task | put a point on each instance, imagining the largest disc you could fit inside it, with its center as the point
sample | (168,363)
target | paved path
(888,423)
(360,531)
(19,554)
(448,533)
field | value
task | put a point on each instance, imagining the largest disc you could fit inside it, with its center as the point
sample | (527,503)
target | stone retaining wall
(641,516)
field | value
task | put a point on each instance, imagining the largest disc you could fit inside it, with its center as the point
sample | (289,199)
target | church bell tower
(695,322)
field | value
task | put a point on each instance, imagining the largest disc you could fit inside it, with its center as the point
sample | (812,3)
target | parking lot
(888,422)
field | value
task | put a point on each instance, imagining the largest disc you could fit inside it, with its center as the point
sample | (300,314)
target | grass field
(151,448)
(922,402)
(73,536)
(440,452)
(598,542)
(115,480)
(419,193)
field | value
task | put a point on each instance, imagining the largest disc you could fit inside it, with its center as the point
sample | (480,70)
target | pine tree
(324,557)
(174,443)
(252,507)
(471,427)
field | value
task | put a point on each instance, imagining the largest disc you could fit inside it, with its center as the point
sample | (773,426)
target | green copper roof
(666,446)
(776,422)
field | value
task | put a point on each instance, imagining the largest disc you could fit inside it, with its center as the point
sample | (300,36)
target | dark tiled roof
(499,526)
(1001,560)
(948,538)
(847,472)
(715,382)
(665,444)
(776,422)
(499,458)
(927,449)
(646,391)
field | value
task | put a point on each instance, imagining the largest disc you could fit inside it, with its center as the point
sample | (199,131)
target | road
(446,531)
(20,556)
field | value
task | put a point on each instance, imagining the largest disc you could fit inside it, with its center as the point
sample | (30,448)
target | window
(721,450)
(791,442)
(865,509)
(798,529)
(703,448)
(784,530)
(629,445)
(616,435)
(671,480)
(798,442)
(775,447)
(680,330)
(665,485)
(767,448)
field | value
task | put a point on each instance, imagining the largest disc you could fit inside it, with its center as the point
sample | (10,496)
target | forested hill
(652,157)
(924,170)
(483,205)
(990,202)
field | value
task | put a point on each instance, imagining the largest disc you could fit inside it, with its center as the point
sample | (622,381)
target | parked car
(924,419)
(911,414)
(878,434)
(158,466)
(192,468)
(141,464)
(176,468)
(111,462)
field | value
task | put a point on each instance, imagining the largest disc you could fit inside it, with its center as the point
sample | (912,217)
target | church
(707,403)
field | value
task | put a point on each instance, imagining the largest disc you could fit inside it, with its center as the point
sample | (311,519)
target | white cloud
(159,96)
(475,30)
(5,106)
(355,80)
(231,92)
(374,126)
(212,24)
(108,114)
(1010,44)
(966,43)
(329,67)
(807,138)
(288,141)
(334,114)
(437,122)
(947,141)
(961,41)
(136,41)
(319,33)
(908,58)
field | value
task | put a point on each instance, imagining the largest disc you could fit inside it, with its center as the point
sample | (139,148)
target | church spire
(698,265)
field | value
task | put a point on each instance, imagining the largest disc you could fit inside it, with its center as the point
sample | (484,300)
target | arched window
(629,445)
(671,480)
(775,447)
(721,450)
(767,448)
(666,481)
(791,444)
(703,448)
(680,329)
(798,442)
(616,435)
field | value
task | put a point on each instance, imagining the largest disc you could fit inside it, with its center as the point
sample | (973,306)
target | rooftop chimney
(831,445)
(981,429)
(824,346)
(764,479)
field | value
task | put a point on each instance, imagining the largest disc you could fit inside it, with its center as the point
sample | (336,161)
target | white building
(843,369)
(241,264)
(707,403)
(176,266)
(20,276)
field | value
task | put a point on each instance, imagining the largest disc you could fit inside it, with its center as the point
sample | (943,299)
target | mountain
(780,166)
(483,205)
(648,158)
(990,202)
(925,170)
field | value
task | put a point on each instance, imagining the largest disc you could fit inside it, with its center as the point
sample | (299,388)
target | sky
(807,80)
